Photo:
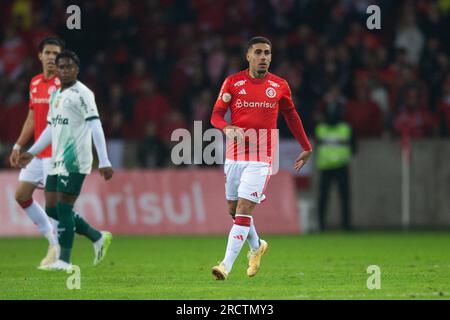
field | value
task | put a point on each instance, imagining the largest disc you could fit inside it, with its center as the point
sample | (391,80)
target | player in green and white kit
(73,122)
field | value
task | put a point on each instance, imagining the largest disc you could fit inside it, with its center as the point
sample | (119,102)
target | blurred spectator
(22,14)
(379,94)
(12,53)
(406,79)
(414,119)
(115,142)
(201,106)
(363,115)
(152,151)
(172,122)
(434,66)
(332,97)
(151,106)
(409,36)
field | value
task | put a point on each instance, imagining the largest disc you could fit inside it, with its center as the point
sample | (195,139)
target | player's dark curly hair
(51,40)
(258,39)
(68,54)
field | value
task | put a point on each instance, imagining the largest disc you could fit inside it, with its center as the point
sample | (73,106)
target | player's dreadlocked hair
(68,54)
(258,39)
(51,40)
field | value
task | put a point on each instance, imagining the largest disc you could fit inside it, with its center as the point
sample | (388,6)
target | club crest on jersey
(58,100)
(270,92)
(51,89)
(226,97)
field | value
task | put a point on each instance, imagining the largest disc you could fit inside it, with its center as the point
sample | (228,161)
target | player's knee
(22,197)
(245,207)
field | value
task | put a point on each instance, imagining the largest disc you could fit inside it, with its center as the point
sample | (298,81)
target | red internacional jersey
(254,104)
(40,91)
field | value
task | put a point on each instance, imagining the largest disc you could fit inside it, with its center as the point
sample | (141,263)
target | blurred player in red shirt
(35,174)
(254,97)
(414,119)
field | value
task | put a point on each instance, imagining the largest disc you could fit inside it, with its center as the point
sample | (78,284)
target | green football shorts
(70,184)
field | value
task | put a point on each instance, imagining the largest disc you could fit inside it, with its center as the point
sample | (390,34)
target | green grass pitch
(413,265)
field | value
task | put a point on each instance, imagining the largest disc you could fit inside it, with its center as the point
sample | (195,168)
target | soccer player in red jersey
(254,97)
(35,174)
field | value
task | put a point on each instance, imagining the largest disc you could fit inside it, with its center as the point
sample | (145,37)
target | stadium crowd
(158,65)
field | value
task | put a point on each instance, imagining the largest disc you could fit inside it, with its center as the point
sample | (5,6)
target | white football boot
(59,265)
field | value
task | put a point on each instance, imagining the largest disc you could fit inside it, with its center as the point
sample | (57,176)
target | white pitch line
(374,296)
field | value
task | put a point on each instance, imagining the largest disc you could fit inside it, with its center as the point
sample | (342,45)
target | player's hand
(234,132)
(14,158)
(106,173)
(302,159)
(24,159)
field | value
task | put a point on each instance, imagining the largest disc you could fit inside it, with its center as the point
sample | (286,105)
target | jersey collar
(74,84)
(256,80)
(44,79)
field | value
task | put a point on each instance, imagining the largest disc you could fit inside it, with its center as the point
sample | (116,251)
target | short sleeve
(88,106)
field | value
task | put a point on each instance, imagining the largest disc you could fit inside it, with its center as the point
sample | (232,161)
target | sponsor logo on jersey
(40,100)
(271,92)
(36,82)
(255,104)
(226,97)
(273,84)
(60,120)
(240,83)
(243,91)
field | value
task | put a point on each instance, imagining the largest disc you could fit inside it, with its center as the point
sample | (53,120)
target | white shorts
(35,172)
(246,179)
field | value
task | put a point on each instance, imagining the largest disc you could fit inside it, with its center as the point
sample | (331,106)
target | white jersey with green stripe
(68,114)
